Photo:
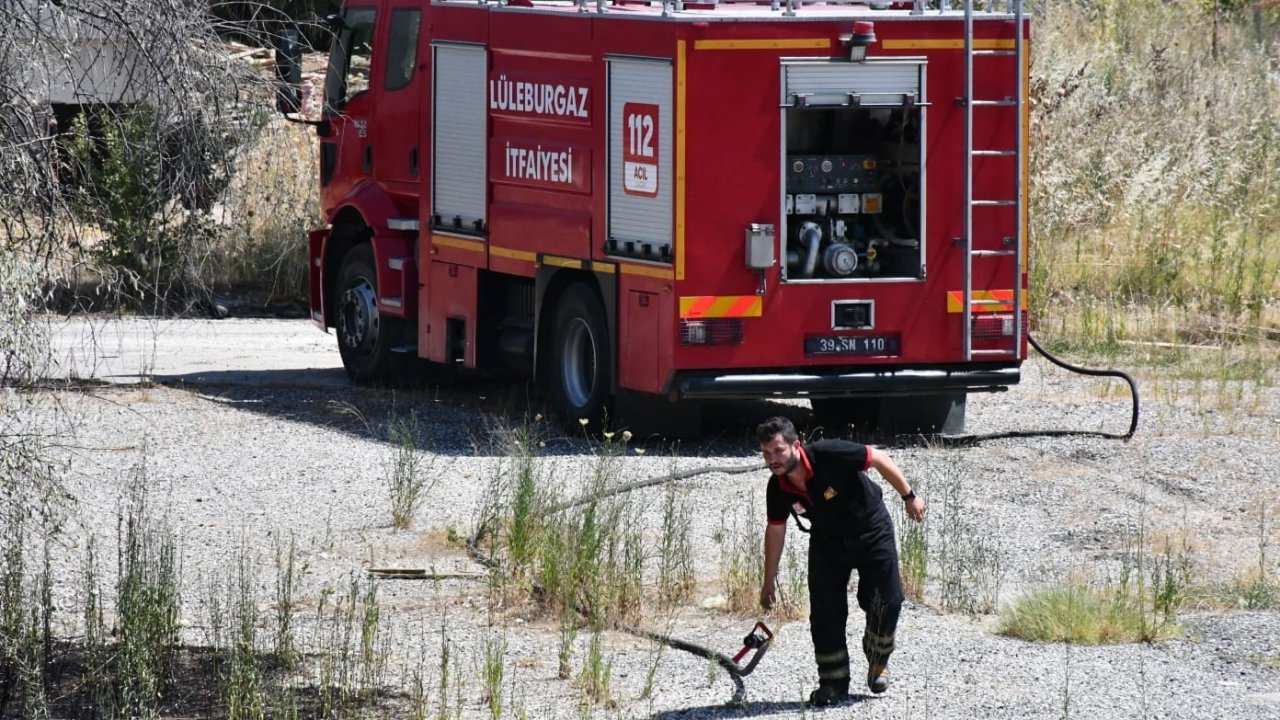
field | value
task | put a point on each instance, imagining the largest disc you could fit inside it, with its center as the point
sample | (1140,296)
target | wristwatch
(911,495)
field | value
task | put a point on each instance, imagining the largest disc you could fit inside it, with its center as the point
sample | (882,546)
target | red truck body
(645,203)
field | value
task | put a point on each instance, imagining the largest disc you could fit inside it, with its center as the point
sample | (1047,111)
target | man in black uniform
(826,481)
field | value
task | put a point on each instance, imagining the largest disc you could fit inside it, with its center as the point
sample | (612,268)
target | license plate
(852,345)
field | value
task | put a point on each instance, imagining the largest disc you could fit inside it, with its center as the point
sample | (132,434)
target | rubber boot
(829,694)
(877,678)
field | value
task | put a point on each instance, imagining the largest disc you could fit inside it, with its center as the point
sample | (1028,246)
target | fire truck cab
(643,204)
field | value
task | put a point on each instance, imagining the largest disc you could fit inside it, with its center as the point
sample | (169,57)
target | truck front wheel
(582,365)
(364,337)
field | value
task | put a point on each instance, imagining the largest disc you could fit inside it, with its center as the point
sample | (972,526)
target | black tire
(365,338)
(581,361)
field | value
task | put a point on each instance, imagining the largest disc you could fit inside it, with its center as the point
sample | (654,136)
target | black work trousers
(831,561)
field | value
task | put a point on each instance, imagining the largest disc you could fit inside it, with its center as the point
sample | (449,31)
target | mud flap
(316,242)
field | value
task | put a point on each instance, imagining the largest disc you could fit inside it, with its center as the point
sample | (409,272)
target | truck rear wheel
(582,365)
(365,338)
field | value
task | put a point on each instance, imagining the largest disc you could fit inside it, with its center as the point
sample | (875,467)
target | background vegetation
(1155,214)
(1154,173)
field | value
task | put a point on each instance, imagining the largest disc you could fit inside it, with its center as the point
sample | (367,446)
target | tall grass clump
(597,673)
(288,583)
(741,558)
(495,663)
(352,649)
(586,554)
(741,542)
(26,640)
(148,603)
(520,493)
(913,550)
(409,474)
(242,671)
(1074,614)
(676,577)
(1155,173)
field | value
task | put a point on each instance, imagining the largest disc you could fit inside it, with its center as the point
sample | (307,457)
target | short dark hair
(776,426)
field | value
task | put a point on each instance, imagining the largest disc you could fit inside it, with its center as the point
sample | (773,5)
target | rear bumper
(926,381)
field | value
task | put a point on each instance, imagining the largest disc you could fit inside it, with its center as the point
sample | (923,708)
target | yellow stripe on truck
(696,307)
(948,44)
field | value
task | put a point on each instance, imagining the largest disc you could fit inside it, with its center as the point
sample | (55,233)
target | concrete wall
(72,60)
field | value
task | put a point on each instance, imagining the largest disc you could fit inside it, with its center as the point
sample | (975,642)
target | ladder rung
(1006,102)
(995,153)
(993,253)
(1002,53)
(990,352)
(994,203)
(989,301)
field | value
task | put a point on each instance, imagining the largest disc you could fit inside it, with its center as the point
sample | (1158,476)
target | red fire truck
(647,203)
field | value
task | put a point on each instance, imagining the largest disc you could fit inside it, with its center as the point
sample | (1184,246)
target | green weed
(409,475)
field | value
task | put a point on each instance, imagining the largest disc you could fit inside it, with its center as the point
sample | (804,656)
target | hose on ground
(1133,419)
(658,480)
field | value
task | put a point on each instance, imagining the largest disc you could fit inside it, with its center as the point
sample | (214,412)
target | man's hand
(768,595)
(915,508)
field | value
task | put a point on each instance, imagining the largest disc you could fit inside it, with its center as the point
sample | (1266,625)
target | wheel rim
(358,316)
(579,363)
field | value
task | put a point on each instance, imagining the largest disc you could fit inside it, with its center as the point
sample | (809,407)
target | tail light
(994,327)
(723,331)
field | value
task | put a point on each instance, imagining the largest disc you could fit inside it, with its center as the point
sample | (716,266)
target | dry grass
(1160,221)
(271,204)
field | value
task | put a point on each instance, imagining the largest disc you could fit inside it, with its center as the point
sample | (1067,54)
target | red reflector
(991,327)
(723,331)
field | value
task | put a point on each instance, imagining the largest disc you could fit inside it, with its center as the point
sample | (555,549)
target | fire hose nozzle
(758,640)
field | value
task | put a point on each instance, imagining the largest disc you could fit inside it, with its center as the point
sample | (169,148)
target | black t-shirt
(838,499)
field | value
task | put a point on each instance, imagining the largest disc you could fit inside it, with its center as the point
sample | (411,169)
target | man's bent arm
(775,537)
(889,470)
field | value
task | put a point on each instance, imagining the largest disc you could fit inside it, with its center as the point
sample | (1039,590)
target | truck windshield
(349,58)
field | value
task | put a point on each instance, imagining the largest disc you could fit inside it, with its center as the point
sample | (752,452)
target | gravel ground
(238,458)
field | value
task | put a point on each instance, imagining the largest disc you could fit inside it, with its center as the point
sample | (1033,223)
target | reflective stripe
(721,306)
(512,254)
(646,271)
(839,656)
(840,673)
(873,644)
(764,44)
(458,243)
(947,44)
(877,637)
(984,301)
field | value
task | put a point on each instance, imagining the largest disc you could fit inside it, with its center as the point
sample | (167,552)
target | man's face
(780,455)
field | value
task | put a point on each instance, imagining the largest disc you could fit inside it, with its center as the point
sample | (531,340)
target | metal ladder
(1013,246)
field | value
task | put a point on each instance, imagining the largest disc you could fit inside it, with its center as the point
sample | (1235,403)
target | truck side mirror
(288,44)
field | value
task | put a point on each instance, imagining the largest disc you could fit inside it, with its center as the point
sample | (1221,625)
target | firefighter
(827,483)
